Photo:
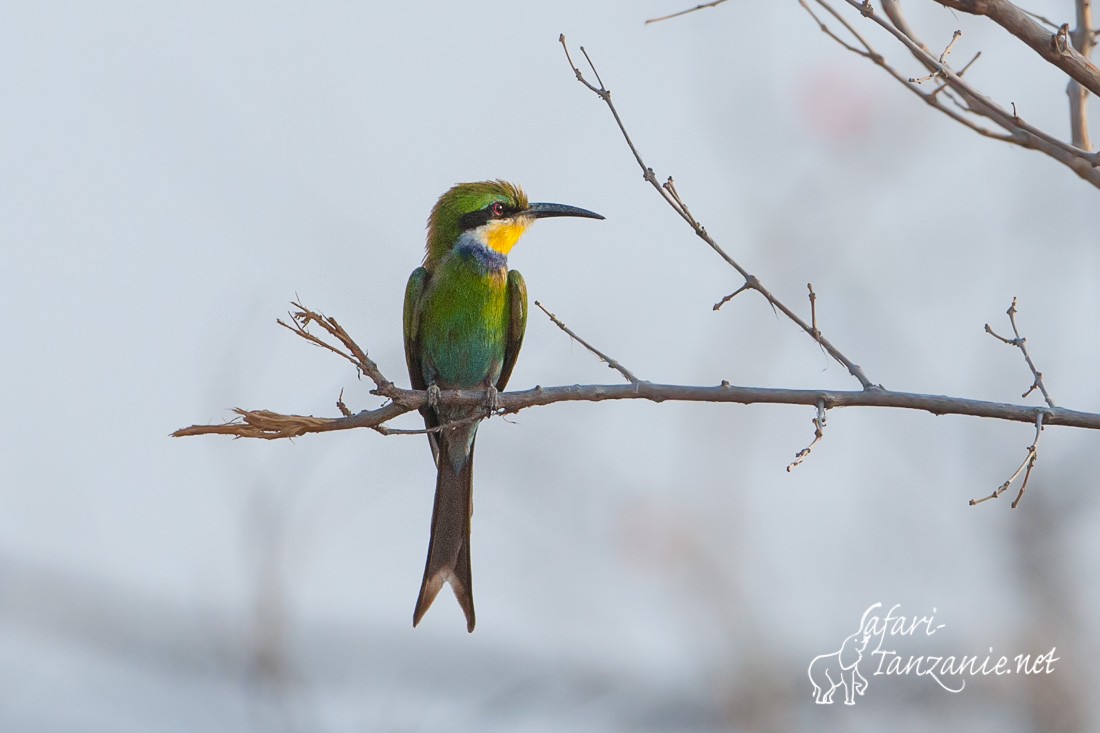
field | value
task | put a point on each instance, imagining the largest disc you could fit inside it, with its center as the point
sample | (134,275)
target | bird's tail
(449,546)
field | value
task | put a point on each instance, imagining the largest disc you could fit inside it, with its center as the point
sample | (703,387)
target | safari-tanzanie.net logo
(872,652)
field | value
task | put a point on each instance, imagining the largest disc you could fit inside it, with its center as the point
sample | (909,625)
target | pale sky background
(172,175)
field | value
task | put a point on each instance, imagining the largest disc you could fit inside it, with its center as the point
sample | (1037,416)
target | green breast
(463,320)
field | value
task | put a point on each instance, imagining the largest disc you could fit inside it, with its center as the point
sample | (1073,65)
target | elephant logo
(841,668)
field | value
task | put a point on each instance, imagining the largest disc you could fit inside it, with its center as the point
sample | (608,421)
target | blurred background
(172,175)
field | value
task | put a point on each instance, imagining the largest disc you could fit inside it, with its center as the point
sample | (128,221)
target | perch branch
(272,425)
(266,424)
(269,425)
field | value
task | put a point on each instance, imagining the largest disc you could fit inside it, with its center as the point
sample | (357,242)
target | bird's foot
(492,399)
(434,395)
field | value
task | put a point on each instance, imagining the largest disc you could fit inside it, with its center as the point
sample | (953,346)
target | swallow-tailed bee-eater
(465,313)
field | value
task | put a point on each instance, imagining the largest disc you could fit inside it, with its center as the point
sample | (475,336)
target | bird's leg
(492,397)
(434,394)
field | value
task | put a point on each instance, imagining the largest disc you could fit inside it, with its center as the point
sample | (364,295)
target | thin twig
(727,298)
(936,73)
(671,196)
(819,433)
(612,363)
(670,186)
(685,12)
(970,63)
(816,333)
(355,354)
(1021,343)
(946,51)
(1025,468)
(1046,21)
(824,28)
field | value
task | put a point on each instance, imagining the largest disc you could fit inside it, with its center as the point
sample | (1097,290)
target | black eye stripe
(474,219)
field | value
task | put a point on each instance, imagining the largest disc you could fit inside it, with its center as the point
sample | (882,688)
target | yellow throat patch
(501,236)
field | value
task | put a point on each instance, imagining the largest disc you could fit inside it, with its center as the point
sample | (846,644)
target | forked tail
(449,546)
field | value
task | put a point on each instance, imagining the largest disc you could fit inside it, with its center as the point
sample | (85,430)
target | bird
(465,314)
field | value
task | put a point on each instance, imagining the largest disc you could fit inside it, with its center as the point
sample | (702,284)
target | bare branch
(672,197)
(611,363)
(1016,21)
(1021,343)
(970,101)
(1068,51)
(1020,133)
(930,98)
(576,71)
(1083,40)
(865,52)
(1025,468)
(685,12)
(273,425)
(354,353)
(266,424)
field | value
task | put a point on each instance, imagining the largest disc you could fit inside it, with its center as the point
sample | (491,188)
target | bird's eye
(496,209)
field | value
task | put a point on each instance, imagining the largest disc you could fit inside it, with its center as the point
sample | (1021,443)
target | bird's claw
(434,395)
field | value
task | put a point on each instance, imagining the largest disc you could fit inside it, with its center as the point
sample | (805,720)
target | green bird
(465,314)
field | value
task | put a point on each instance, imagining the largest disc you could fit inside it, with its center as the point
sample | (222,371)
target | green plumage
(463,330)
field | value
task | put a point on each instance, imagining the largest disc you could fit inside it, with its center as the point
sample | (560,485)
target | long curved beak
(543,211)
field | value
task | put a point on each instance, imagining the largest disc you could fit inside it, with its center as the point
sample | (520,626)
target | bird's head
(494,213)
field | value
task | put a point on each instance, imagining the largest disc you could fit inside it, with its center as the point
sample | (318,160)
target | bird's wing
(517,324)
(414,290)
